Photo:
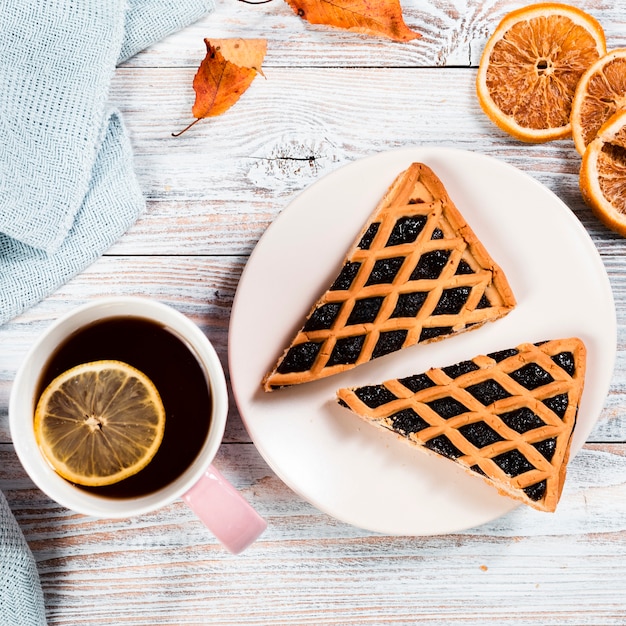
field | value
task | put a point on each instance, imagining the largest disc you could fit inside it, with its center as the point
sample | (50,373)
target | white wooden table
(328,98)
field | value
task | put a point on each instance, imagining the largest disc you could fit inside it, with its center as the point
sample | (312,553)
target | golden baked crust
(507,416)
(416,273)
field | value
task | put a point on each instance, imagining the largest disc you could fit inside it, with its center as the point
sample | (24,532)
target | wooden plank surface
(328,98)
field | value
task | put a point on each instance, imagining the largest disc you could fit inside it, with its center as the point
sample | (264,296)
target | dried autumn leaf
(372,17)
(227,70)
(242,52)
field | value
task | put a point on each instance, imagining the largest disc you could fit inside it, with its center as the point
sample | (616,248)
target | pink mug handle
(224,511)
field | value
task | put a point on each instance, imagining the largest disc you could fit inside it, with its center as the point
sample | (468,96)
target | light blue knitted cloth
(21,599)
(67,185)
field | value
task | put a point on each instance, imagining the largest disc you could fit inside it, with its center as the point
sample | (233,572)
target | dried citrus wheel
(601,92)
(603,173)
(99,422)
(530,67)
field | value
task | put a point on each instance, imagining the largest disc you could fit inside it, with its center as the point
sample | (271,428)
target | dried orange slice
(99,422)
(531,65)
(601,92)
(603,173)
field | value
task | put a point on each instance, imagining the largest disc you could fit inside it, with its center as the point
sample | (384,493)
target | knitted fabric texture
(21,598)
(68,188)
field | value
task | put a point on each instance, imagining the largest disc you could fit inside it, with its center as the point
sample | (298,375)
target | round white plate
(329,456)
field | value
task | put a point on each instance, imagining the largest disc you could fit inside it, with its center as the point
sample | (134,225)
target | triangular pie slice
(416,273)
(506,416)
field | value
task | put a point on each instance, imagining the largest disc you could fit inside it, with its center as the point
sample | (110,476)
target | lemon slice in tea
(99,422)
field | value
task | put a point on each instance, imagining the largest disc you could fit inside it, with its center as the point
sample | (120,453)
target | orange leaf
(228,69)
(372,17)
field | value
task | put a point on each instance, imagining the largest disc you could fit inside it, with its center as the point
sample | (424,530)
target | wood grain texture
(453,33)
(327,99)
(164,568)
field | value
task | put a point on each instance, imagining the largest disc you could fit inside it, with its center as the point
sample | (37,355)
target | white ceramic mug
(224,511)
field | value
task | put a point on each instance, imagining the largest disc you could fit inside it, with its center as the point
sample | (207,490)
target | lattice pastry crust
(506,416)
(416,273)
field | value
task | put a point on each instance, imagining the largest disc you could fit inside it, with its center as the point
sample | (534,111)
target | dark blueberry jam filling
(558,404)
(444,446)
(537,491)
(299,358)
(408,421)
(406,230)
(385,270)
(447,407)
(522,420)
(531,376)
(478,470)
(458,369)
(437,234)
(365,310)
(368,236)
(417,383)
(436,331)
(546,447)
(409,304)
(566,361)
(452,301)
(323,317)
(374,395)
(463,268)
(430,265)
(488,391)
(389,341)
(480,434)
(348,273)
(513,463)
(346,350)
(483,303)
(500,355)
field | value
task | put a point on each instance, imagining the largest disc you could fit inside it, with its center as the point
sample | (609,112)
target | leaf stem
(188,126)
